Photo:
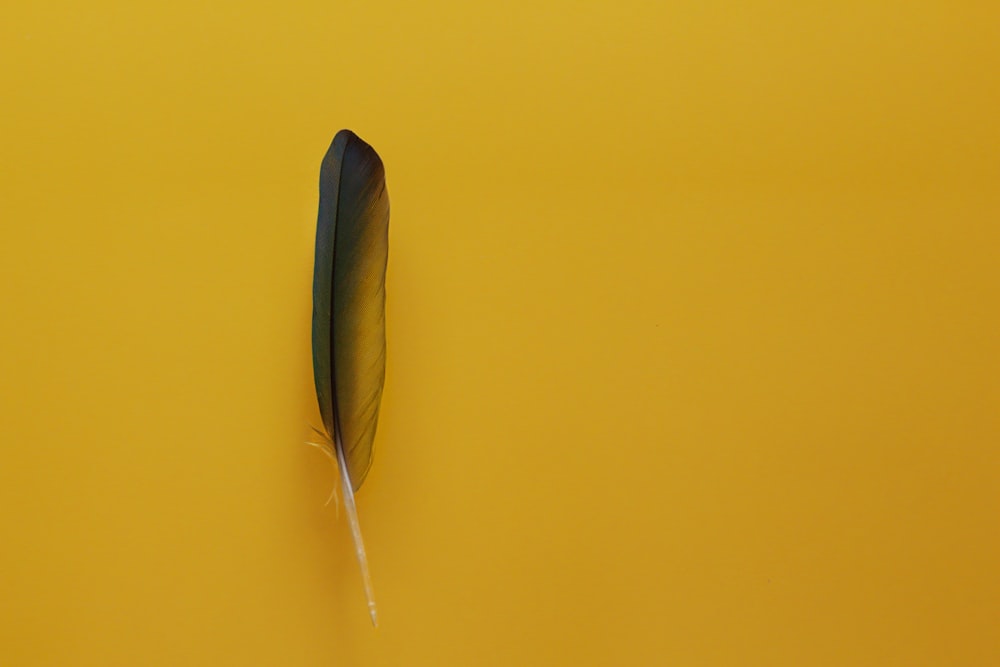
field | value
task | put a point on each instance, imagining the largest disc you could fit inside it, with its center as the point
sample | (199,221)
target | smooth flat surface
(692,311)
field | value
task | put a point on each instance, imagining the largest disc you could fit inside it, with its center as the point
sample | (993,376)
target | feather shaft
(352,519)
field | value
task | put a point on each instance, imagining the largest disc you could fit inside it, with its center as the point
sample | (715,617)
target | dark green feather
(352,243)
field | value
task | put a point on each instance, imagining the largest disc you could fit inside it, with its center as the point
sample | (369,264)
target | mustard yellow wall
(693,333)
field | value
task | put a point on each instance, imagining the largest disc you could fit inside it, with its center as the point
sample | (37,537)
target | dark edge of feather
(329,187)
(337,436)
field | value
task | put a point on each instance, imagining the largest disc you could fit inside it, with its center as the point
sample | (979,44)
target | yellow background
(693,316)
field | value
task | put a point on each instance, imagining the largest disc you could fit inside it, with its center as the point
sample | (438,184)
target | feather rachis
(359,544)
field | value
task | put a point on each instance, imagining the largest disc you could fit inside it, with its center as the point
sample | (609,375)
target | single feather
(348,328)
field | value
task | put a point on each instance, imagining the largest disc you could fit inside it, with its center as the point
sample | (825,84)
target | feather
(348,327)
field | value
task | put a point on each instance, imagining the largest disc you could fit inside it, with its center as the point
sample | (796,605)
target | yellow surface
(693,334)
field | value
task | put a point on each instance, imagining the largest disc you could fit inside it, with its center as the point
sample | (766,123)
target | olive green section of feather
(352,244)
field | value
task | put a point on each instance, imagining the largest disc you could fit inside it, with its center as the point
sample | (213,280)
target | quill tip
(374,614)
